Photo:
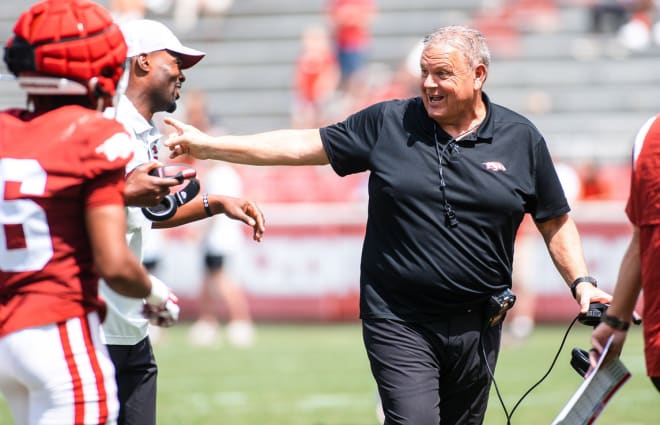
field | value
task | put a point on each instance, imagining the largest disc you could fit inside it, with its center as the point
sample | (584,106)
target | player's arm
(113,260)
(563,242)
(279,147)
(235,208)
(626,292)
(629,282)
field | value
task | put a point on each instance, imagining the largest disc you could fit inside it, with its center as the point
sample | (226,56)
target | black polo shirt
(414,263)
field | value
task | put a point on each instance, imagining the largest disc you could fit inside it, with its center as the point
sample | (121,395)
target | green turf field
(318,375)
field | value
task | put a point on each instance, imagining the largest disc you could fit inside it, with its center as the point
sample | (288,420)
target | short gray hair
(467,40)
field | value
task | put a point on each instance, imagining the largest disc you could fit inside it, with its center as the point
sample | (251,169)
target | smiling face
(450,85)
(166,78)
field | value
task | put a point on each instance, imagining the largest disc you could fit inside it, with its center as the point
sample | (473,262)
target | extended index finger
(173,122)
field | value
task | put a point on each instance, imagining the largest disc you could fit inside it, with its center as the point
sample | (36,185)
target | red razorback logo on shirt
(494,166)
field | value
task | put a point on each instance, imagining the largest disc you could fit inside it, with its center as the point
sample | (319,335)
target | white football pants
(59,374)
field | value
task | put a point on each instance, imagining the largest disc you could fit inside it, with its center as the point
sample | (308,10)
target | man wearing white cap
(156,59)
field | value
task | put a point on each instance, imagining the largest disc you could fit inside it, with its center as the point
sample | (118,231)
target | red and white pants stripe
(59,374)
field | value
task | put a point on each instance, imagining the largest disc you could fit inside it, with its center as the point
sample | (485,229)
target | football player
(62,220)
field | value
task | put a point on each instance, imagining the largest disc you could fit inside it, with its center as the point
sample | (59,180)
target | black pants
(135,372)
(432,373)
(656,382)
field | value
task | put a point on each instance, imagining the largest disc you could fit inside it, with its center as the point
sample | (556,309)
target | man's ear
(142,62)
(480,74)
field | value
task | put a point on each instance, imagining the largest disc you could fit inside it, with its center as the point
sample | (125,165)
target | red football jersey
(643,210)
(52,168)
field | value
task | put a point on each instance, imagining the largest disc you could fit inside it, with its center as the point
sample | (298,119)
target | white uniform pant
(59,374)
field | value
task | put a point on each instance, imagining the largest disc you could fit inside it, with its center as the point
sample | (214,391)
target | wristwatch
(614,322)
(581,279)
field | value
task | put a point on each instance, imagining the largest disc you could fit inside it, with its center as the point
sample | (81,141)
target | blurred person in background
(594,186)
(156,60)
(152,252)
(373,83)
(62,219)
(496,20)
(187,12)
(222,242)
(504,21)
(316,78)
(409,67)
(451,177)
(350,23)
(608,16)
(629,22)
(639,270)
(520,324)
(127,10)
(637,32)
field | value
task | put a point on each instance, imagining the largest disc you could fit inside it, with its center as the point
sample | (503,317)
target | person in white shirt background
(220,241)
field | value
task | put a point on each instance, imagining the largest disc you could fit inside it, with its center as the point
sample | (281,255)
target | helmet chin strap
(96,93)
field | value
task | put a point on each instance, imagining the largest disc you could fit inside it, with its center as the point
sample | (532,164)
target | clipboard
(594,393)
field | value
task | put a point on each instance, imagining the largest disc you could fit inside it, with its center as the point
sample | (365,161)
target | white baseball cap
(146,36)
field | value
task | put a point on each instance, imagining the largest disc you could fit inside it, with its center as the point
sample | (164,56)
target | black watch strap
(581,279)
(614,322)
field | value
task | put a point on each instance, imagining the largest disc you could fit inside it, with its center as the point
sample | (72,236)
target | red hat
(74,39)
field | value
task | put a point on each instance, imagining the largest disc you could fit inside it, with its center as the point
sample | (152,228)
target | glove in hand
(165,314)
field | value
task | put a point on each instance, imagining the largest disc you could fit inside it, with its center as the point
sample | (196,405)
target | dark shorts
(150,265)
(214,261)
(432,373)
(136,372)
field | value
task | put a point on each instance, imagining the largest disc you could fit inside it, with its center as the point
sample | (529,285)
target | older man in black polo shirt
(451,177)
